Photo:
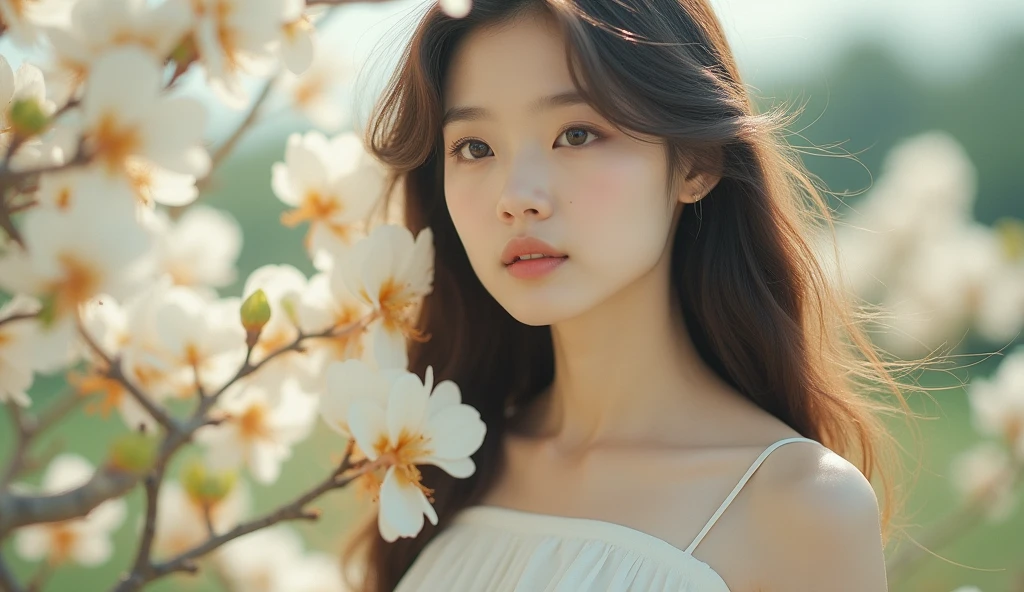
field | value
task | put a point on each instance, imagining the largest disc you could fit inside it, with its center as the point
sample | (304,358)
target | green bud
(48,313)
(205,486)
(27,117)
(134,452)
(185,52)
(255,312)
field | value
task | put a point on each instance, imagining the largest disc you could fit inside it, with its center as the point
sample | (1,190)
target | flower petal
(407,406)
(455,432)
(401,504)
(367,420)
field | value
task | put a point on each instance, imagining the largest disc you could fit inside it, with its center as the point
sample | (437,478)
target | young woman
(625,288)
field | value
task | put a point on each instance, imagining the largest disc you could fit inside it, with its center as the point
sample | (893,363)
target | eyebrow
(564,99)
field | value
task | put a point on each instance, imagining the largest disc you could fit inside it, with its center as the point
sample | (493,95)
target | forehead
(508,65)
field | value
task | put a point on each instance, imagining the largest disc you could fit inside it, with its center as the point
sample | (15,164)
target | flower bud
(255,314)
(134,452)
(1011,237)
(27,117)
(205,486)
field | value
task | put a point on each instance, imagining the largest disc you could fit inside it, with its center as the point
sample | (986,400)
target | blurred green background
(867,99)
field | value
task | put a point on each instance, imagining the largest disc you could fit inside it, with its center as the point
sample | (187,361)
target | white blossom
(392,273)
(332,184)
(135,132)
(25,84)
(985,472)
(456,8)
(418,425)
(199,249)
(85,541)
(321,308)
(273,560)
(199,336)
(312,93)
(236,37)
(997,402)
(260,431)
(16,349)
(25,19)
(96,26)
(297,40)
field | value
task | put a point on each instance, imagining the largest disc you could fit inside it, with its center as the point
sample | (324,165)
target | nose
(526,193)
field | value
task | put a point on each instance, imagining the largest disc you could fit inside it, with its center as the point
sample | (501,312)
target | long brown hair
(759,305)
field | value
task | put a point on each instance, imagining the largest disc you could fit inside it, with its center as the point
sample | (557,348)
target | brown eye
(576,136)
(477,149)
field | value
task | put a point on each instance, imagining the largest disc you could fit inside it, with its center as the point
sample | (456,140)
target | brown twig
(18,317)
(222,151)
(115,371)
(27,428)
(294,510)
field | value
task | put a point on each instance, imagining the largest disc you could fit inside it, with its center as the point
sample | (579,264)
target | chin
(538,310)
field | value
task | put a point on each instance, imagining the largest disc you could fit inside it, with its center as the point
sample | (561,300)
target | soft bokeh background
(870,74)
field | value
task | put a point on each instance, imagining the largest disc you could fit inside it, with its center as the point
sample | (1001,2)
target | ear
(702,173)
(695,187)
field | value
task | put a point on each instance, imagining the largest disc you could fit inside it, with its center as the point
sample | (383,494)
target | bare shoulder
(816,523)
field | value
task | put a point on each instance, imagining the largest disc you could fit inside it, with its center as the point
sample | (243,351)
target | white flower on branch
(16,349)
(297,41)
(96,26)
(109,326)
(415,427)
(456,8)
(319,309)
(236,37)
(313,92)
(128,124)
(201,337)
(997,402)
(85,541)
(26,18)
(272,560)
(181,520)
(392,273)
(260,430)
(199,249)
(984,474)
(26,84)
(74,255)
(346,382)
(332,184)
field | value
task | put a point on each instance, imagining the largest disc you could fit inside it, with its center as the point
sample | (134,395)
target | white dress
(495,549)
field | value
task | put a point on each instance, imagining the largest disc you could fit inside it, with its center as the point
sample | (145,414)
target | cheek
(620,208)
(468,209)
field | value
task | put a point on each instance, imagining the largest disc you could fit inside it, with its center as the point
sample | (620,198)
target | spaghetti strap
(739,486)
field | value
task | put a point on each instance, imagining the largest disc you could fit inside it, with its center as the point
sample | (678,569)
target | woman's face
(520,165)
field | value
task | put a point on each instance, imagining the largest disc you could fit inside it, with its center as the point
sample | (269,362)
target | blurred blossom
(260,431)
(135,132)
(273,560)
(181,521)
(332,184)
(85,541)
(986,472)
(234,38)
(96,26)
(107,324)
(16,350)
(997,402)
(297,40)
(25,84)
(200,248)
(25,19)
(392,273)
(200,336)
(313,92)
(417,425)
(74,255)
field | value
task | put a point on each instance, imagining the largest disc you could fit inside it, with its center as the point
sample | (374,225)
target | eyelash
(456,148)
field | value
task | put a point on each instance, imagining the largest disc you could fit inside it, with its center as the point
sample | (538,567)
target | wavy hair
(761,308)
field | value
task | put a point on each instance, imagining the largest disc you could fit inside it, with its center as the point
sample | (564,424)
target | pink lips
(534,268)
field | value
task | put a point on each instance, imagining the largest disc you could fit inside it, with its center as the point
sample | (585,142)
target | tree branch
(291,511)
(8,583)
(17,510)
